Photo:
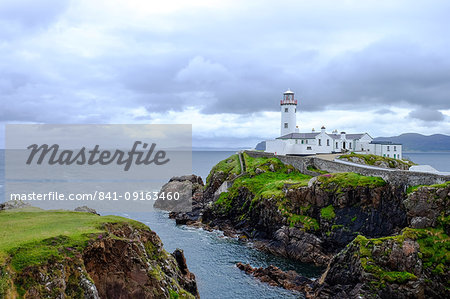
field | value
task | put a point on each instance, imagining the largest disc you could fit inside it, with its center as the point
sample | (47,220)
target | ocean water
(439,161)
(212,257)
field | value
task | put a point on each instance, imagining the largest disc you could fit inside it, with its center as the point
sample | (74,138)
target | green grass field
(29,237)
(349,179)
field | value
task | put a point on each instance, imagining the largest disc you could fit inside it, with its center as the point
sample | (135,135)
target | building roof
(347,136)
(289,91)
(314,134)
(354,136)
(299,136)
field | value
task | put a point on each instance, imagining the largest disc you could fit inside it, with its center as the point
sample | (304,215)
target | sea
(212,257)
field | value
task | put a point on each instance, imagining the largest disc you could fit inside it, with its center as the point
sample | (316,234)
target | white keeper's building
(292,142)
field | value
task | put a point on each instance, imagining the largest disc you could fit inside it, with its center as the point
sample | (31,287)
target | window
(296,141)
(328,142)
(395,148)
(320,142)
(388,149)
(286,109)
(285,125)
(309,148)
(337,145)
(295,110)
(303,141)
(394,156)
(350,145)
(306,141)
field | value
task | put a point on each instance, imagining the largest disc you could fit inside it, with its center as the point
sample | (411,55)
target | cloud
(219,62)
(388,72)
(384,111)
(202,72)
(427,115)
(25,17)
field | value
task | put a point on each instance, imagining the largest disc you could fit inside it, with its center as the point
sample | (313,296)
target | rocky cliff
(412,264)
(329,220)
(101,257)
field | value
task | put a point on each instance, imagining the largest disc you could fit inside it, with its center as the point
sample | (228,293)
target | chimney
(313,131)
(296,129)
(322,129)
(342,135)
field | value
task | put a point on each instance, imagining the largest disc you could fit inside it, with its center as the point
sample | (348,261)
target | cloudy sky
(381,67)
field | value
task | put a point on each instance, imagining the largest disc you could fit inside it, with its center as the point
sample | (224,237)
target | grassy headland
(32,237)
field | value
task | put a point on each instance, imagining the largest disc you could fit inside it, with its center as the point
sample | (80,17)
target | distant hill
(261,146)
(419,142)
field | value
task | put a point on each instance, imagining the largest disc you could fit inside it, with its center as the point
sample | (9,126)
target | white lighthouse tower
(288,113)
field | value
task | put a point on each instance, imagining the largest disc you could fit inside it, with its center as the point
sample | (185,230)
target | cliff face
(401,266)
(136,266)
(375,239)
(303,218)
(122,260)
(412,264)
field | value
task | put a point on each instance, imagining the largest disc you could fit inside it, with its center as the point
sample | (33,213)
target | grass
(31,238)
(412,189)
(309,223)
(336,226)
(328,213)
(337,181)
(230,165)
(223,203)
(268,184)
(376,160)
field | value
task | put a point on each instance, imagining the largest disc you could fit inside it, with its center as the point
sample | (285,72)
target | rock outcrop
(375,239)
(426,205)
(393,267)
(190,190)
(136,266)
(274,276)
(86,209)
(127,260)
(14,204)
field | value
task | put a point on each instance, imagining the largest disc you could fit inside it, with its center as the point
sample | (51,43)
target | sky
(381,67)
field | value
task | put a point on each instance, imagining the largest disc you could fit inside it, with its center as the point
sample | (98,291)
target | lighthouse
(288,113)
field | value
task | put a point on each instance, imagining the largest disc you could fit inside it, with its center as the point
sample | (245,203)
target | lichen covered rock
(410,265)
